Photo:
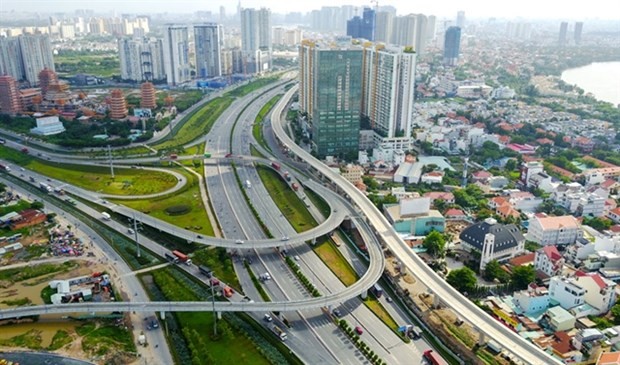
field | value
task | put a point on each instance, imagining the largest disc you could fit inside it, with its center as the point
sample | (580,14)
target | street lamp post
(135,232)
(214,314)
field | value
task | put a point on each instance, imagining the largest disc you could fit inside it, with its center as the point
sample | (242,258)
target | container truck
(377,291)
(106,216)
(275,165)
(280,333)
(182,257)
(171,258)
(433,358)
(46,188)
(295,186)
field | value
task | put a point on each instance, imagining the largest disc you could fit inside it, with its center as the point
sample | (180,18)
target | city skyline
(597,9)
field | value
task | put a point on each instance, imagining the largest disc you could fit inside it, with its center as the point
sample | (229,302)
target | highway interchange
(285,286)
(311,326)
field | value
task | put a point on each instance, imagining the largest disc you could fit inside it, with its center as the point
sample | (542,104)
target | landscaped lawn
(231,345)
(329,254)
(218,260)
(194,219)
(286,199)
(96,178)
(378,309)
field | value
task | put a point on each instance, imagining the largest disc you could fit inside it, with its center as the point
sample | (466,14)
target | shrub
(178,209)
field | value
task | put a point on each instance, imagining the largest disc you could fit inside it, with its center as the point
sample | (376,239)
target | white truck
(106,216)
(248,184)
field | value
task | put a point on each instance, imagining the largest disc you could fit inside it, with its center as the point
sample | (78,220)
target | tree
(36,205)
(615,311)
(439,204)
(597,223)
(493,271)
(511,165)
(435,243)
(522,276)
(463,279)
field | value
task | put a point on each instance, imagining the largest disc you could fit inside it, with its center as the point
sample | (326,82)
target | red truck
(295,186)
(433,358)
(182,257)
(275,165)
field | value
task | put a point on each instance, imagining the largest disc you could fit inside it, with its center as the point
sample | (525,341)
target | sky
(526,9)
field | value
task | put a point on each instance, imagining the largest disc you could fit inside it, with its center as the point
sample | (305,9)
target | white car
(267,317)
(284,238)
(239,242)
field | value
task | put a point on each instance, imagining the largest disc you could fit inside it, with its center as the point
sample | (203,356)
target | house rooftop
(555,223)
(551,252)
(609,358)
(523,259)
(506,235)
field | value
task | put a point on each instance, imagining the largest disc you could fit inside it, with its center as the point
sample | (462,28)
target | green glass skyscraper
(330,94)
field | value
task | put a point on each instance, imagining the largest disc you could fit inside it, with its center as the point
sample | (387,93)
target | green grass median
(96,178)
(286,199)
(197,123)
(257,127)
(191,334)
(183,208)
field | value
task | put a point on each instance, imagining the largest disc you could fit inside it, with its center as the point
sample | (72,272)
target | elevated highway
(522,349)
(370,277)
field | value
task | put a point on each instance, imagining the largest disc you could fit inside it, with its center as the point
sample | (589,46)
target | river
(600,78)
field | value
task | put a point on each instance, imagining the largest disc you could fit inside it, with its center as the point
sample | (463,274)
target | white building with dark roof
(494,241)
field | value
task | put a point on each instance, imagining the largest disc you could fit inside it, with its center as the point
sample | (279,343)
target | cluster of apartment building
(70,27)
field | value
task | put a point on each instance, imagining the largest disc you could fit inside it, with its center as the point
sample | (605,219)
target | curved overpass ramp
(463,307)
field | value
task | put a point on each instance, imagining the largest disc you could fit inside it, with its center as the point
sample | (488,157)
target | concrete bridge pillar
(314,240)
(481,338)
(436,301)
(162,315)
(364,294)
(219,315)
